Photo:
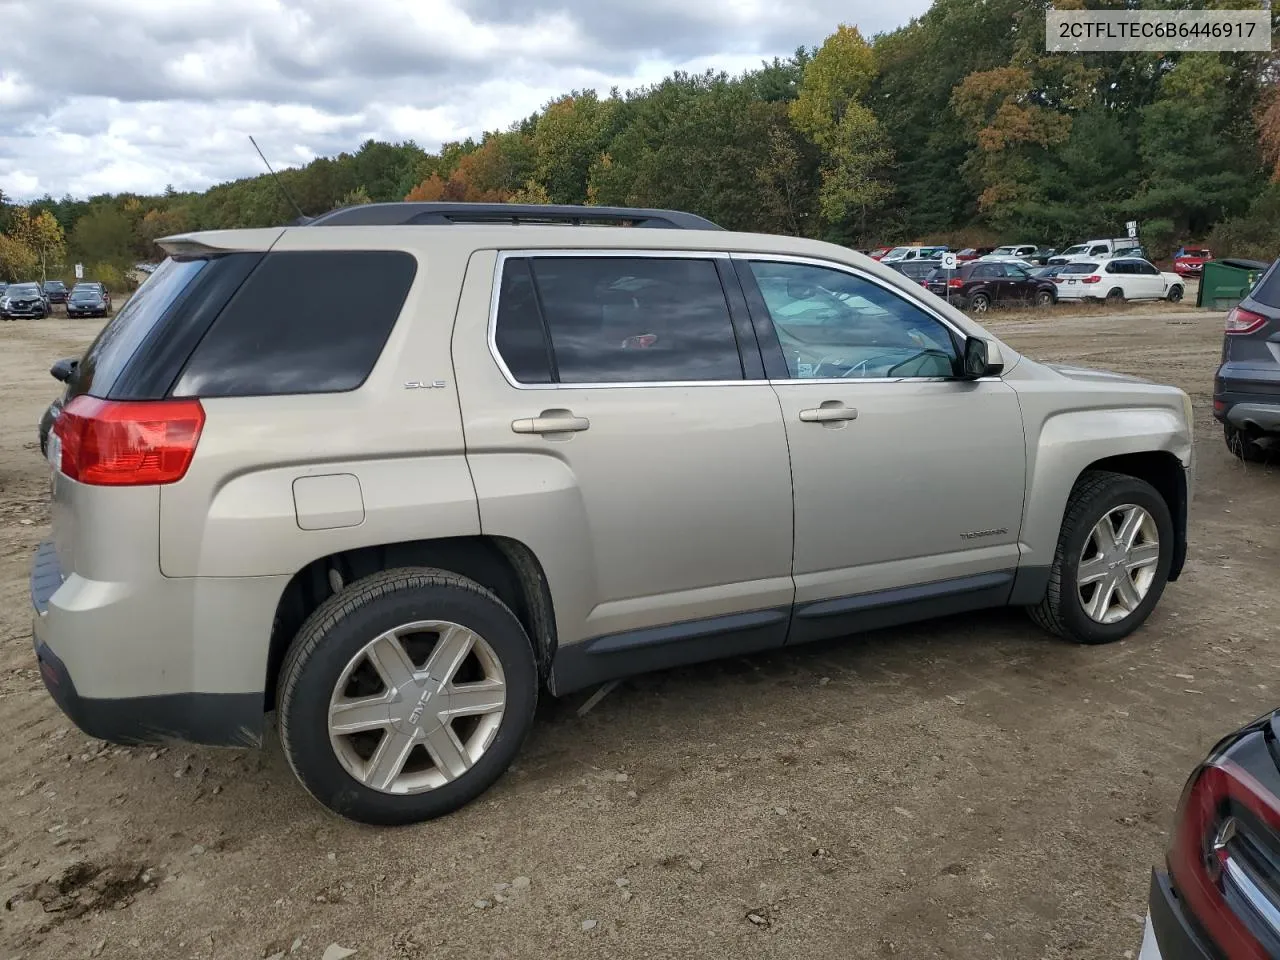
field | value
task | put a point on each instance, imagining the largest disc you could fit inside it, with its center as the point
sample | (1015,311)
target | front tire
(1112,560)
(405,696)
(1044,299)
(1175,295)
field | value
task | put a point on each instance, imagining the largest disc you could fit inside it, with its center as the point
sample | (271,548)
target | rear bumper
(1170,932)
(1248,400)
(157,658)
(216,719)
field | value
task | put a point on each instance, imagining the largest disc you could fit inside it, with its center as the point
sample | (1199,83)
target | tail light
(128,443)
(955,283)
(1224,860)
(1241,321)
(1093,279)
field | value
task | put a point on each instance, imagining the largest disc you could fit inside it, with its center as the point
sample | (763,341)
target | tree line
(957,127)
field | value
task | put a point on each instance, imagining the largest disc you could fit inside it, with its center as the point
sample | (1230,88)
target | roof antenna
(303,219)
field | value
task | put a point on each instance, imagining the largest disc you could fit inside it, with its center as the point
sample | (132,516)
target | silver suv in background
(537,451)
(1246,389)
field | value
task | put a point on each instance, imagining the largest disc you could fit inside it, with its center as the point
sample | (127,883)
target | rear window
(303,322)
(111,352)
(1078,268)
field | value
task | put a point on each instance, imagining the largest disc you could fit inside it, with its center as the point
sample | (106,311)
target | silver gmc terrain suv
(389,473)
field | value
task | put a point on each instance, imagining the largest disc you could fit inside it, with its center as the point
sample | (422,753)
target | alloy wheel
(1118,564)
(417,707)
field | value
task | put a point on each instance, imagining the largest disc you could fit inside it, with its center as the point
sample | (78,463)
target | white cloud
(167,93)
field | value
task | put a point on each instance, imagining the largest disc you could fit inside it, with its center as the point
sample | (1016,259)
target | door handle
(551,421)
(830,412)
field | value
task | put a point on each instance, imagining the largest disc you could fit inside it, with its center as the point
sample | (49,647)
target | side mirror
(63,370)
(981,359)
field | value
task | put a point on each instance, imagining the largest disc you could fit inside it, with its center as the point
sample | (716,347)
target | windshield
(1078,248)
(896,252)
(55,285)
(23,290)
(1080,268)
(1003,251)
(85,294)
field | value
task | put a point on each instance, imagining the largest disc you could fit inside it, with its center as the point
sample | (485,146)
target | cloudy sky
(110,95)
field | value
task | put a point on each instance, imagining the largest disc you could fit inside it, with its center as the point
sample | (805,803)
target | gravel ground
(964,789)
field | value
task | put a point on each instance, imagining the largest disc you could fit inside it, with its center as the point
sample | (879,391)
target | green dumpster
(1224,283)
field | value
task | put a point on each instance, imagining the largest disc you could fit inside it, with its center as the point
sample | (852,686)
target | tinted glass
(19,290)
(85,295)
(1118,266)
(833,325)
(1071,251)
(1015,271)
(1147,269)
(1268,289)
(636,319)
(304,322)
(987,271)
(1082,268)
(1099,250)
(108,355)
(519,334)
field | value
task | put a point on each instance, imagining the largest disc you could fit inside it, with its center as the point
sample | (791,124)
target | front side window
(1098,251)
(834,325)
(635,319)
(1146,269)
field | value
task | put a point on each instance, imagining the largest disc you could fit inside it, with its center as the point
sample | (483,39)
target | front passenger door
(903,476)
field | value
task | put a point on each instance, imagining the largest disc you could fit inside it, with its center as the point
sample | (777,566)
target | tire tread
(1047,614)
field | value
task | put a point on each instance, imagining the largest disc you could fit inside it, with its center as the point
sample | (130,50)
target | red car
(972,253)
(879,252)
(1189,262)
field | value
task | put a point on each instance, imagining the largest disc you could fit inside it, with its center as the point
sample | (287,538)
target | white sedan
(1117,280)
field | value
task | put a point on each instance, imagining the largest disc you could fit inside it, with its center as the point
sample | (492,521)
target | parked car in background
(918,252)
(879,252)
(917,270)
(1246,389)
(1118,280)
(1040,256)
(1097,250)
(979,285)
(1048,272)
(23,300)
(1217,897)
(399,597)
(972,253)
(55,291)
(1012,251)
(89,300)
(1190,262)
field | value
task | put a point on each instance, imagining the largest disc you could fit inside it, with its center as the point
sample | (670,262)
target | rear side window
(617,320)
(115,346)
(303,322)
(1268,289)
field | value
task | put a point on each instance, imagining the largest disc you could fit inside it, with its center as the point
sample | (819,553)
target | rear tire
(1098,496)
(1115,297)
(980,303)
(319,673)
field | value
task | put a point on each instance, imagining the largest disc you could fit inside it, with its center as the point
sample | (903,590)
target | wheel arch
(1165,472)
(503,565)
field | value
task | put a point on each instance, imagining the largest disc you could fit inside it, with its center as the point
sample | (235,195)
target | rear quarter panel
(233,514)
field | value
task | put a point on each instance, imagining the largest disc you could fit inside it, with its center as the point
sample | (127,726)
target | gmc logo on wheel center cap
(420,706)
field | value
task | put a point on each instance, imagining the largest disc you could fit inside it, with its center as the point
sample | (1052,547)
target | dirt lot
(961,789)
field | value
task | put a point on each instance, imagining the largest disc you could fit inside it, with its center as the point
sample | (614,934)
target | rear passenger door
(618,422)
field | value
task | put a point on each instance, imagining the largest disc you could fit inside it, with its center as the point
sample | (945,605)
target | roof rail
(391,214)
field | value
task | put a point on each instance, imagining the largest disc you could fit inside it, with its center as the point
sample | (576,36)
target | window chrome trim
(672,254)
(681,254)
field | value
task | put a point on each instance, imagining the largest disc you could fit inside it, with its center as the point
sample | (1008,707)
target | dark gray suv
(1246,390)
